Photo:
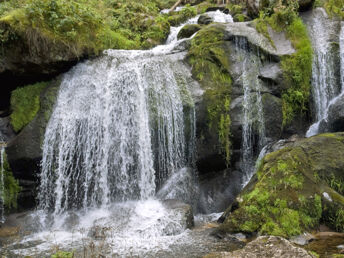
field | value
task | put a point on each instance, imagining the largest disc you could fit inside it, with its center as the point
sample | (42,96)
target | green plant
(11,186)
(63,254)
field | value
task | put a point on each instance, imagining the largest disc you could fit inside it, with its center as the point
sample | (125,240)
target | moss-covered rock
(188,30)
(24,152)
(25,104)
(208,56)
(297,188)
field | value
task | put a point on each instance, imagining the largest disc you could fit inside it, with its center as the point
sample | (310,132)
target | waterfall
(117,130)
(324,83)
(2,183)
(253,126)
(341,51)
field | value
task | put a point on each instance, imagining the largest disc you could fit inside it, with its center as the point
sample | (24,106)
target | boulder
(24,152)
(265,246)
(182,211)
(335,119)
(295,188)
(204,19)
(188,30)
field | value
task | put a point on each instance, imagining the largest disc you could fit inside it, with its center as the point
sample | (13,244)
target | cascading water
(98,143)
(324,83)
(2,185)
(253,115)
(123,127)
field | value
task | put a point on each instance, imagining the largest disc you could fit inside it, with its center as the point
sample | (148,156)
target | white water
(253,115)
(324,84)
(122,128)
(2,184)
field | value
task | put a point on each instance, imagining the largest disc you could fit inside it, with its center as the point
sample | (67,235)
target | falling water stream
(121,137)
(253,131)
(324,84)
(2,185)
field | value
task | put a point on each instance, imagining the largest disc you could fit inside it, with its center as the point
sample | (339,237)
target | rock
(29,56)
(273,117)
(204,19)
(265,246)
(188,30)
(335,120)
(301,180)
(302,239)
(181,209)
(9,231)
(256,40)
(24,152)
(6,130)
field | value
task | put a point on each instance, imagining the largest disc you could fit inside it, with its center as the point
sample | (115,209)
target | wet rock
(204,19)
(335,121)
(182,210)
(302,239)
(9,231)
(265,246)
(273,117)
(24,151)
(305,169)
(188,30)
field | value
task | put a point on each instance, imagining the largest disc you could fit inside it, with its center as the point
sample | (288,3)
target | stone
(188,30)
(335,119)
(204,19)
(24,152)
(273,117)
(265,246)
(308,168)
(302,239)
(181,209)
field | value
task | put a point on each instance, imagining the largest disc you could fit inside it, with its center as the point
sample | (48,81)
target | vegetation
(210,66)
(89,25)
(297,68)
(287,199)
(63,254)
(11,188)
(25,104)
(334,8)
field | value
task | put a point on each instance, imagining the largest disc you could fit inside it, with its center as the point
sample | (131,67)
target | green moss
(25,104)
(11,188)
(186,13)
(63,254)
(210,66)
(287,198)
(335,8)
(297,68)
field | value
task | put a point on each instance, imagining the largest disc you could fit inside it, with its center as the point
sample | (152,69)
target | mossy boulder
(188,30)
(204,19)
(295,189)
(24,152)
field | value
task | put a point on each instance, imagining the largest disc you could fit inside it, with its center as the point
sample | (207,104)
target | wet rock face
(204,19)
(265,246)
(24,152)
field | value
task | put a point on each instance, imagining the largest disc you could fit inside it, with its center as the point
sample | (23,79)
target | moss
(11,186)
(335,8)
(287,198)
(25,104)
(63,254)
(210,66)
(186,13)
